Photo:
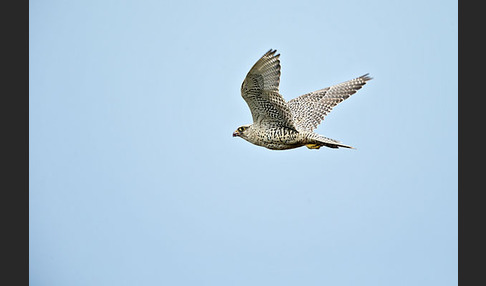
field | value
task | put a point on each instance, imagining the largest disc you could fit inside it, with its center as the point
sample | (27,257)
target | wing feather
(309,110)
(260,91)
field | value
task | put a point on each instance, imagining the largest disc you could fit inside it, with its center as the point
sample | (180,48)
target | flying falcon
(280,125)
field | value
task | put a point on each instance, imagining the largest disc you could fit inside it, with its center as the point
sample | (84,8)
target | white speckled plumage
(281,125)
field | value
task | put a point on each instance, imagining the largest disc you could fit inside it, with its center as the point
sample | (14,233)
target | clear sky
(135,178)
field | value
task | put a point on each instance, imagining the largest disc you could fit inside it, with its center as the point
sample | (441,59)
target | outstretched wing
(309,110)
(260,91)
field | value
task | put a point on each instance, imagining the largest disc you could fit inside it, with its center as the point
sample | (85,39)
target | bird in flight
(281,125)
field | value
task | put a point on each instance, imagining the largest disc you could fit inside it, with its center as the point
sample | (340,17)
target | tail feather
(316,141)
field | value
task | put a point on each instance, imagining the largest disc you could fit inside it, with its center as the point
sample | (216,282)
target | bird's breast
(276,138)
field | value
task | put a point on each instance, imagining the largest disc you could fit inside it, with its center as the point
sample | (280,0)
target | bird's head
(242,131)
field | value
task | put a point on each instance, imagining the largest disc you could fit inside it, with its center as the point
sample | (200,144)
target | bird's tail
(316,141)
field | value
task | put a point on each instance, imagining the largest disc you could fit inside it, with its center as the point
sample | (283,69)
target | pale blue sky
(135,178)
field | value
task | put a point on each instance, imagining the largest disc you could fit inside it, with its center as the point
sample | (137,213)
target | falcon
(281,125)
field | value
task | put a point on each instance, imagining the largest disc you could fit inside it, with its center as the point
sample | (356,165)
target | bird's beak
(236,133)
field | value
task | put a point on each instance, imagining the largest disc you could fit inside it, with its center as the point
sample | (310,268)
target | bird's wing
(260,91)
(309,110)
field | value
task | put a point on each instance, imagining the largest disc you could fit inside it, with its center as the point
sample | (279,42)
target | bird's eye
(240,129)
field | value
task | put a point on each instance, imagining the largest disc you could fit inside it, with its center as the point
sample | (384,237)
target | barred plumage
(281,125)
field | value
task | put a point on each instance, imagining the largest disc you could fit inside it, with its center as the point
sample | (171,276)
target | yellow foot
(313,146)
